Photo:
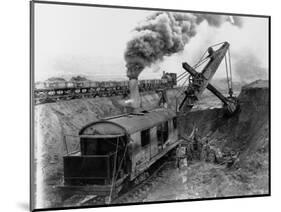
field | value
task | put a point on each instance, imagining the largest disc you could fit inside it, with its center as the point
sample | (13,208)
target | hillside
(56,130)
(246,133)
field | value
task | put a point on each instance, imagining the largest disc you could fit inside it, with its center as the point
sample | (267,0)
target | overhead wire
(185,74)
(181,74)
(181,88)
(199,63)
(202,60)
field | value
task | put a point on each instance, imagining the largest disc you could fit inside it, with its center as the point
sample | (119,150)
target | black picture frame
(32,105)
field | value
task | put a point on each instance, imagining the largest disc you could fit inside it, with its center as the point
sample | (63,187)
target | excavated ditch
(246,133)
(57,126)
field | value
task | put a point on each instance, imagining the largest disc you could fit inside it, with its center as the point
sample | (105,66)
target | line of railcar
(52,91)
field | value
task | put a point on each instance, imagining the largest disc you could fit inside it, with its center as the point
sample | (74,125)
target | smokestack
(135,99)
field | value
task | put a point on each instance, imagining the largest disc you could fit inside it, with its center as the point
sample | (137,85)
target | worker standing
(204,156)
(197,145)
(189,151)
(180,154)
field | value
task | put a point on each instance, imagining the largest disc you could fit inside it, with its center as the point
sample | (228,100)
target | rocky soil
(56,129)
(246,133)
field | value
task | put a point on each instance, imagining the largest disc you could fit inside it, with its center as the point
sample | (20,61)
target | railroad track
(142,188)
(130,194)
(66,97)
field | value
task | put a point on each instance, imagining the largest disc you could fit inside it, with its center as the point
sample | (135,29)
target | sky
(90,41)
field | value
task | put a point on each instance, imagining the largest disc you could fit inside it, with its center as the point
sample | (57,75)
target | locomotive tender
(51,91)
(120,149)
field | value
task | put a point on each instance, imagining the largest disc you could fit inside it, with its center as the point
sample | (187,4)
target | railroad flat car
(51,91)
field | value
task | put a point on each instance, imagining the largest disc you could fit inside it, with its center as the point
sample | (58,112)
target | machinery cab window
(96,163)
(98,146)
(145,137)
(165,131)
(159,135)
(175,123)
(162,133)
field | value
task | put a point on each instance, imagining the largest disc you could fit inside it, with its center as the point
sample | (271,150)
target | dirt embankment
(246,133)
(60,122)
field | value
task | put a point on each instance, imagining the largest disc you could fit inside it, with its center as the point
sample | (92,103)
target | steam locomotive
(51,91)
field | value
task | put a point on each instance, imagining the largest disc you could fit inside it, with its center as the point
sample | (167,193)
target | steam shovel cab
(119,149)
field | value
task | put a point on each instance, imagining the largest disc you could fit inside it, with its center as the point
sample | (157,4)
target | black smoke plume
(163,34)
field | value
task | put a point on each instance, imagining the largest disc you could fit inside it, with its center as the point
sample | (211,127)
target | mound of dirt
(246,133)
